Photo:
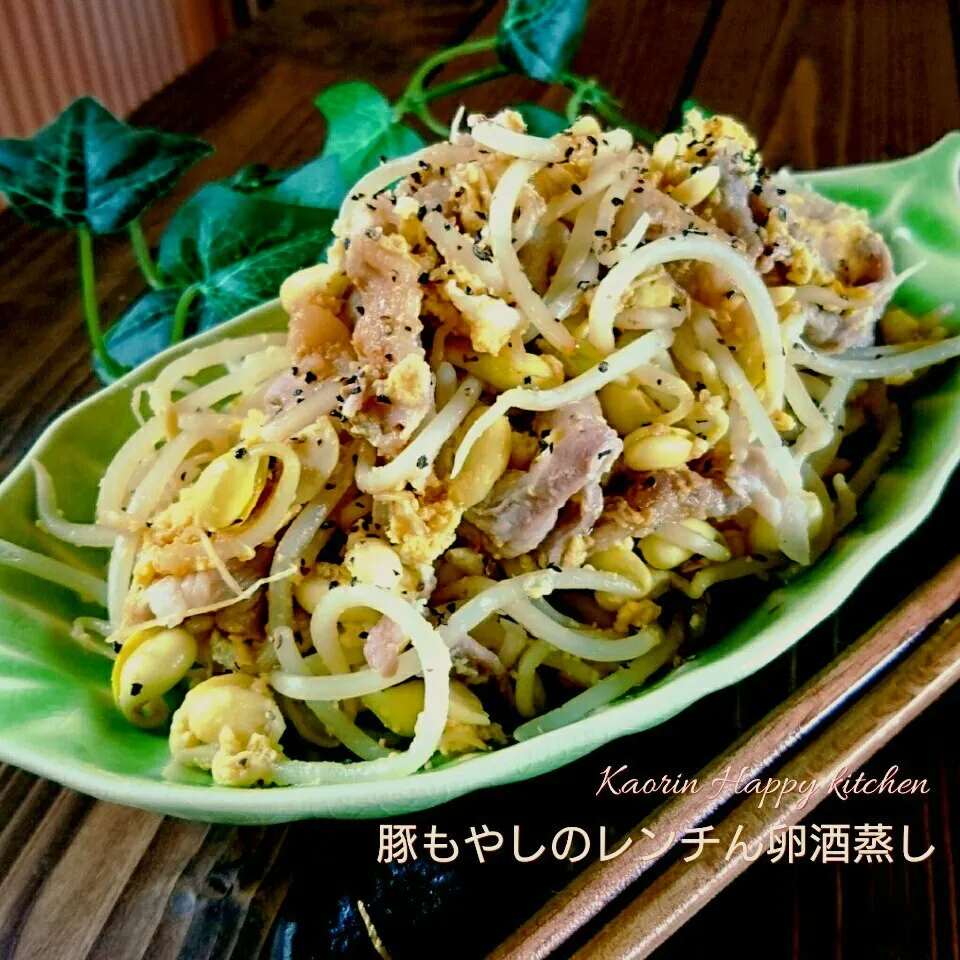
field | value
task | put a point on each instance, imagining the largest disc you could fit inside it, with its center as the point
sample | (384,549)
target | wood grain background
(823,82)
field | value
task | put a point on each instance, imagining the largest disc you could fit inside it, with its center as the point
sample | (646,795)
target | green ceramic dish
(56,715)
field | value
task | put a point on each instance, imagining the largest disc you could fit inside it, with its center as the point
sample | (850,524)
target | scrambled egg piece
(823,242)
(407,383)
(636,613)
(472,186)
(490,321)
(420,530)
(254,764)
(574,551)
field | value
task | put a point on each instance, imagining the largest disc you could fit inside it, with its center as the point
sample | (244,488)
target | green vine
(181,312)
(91,308)
(141,251)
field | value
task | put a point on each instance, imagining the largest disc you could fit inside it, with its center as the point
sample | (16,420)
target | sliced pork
(576,447)
(386,337)
(565,546)
(666,496)
(816,241)
(667,216)
(730,206)
(382,647)
(388,323)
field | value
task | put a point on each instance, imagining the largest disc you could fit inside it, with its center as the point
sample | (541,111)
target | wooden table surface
(824,82)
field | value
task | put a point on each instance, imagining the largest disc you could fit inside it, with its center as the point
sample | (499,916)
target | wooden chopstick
(840,750)
(753,752)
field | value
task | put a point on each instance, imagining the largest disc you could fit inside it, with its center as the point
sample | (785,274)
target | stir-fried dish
(542,397)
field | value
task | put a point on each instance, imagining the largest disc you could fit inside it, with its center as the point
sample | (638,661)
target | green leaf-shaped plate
(56,715)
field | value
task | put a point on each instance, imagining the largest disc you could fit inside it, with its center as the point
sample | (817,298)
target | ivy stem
(576,101)
(440,128)
(415,92)
(587,91)
(91,309)
(467,80)
(423,111)
(182,313)
(141,250)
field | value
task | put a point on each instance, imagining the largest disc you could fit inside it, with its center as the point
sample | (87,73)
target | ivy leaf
(141,332)
(539,37)
(257,276)
(235,241)
(318,183)
(237,248)
(540,121)
(255,177)
(88,167)
(361,128)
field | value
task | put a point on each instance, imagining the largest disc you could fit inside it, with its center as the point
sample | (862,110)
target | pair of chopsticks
(662,908)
